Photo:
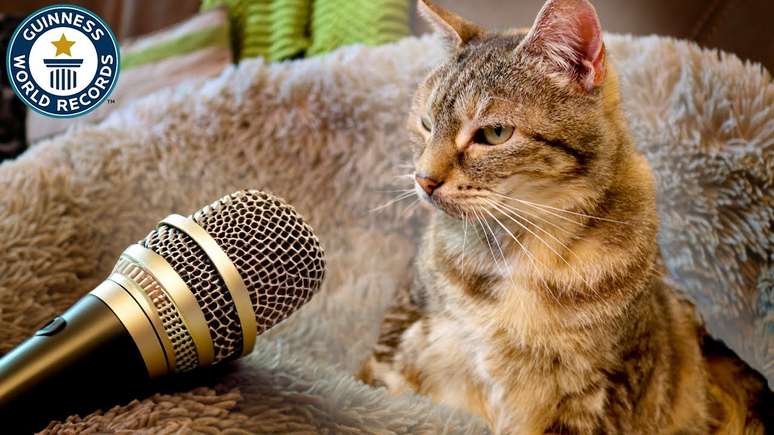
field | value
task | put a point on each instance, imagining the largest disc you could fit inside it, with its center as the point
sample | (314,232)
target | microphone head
(216,279)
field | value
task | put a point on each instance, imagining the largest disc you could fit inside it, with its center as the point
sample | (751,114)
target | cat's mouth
(455,205)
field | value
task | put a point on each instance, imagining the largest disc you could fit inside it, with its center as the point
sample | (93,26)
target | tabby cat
(538,302)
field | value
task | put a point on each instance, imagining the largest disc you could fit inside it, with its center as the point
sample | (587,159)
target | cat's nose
(427,184)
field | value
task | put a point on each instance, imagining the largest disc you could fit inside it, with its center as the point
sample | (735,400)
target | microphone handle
(80,361)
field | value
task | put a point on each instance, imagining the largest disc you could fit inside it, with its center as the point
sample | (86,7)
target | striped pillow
(284,29)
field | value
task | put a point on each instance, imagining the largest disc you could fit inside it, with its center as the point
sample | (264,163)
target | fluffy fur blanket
(327,134)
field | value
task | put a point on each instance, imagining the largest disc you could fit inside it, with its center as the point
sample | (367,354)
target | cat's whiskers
(486,238)
(400,197)
(513,212)
(499,248)
(510,270)
(547,209)
(521,212)
(530,257)
(593,290)
(549,212)
(409,210)
(397,189)
(394,190)
(464,239)
(543,241)
(502,255)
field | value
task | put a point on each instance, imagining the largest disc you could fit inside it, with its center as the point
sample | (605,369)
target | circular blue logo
(63,61)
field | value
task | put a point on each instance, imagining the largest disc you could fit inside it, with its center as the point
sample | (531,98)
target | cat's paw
(380,374)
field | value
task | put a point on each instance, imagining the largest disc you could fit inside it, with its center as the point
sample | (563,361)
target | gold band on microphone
(180,295)
(146,305)
(137,323)
(228,272)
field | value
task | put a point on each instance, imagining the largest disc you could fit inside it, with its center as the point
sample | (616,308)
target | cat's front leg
(388,364)
(398,371)
(382,374)
(404,373)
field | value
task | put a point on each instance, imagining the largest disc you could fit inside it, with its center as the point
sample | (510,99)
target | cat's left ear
(456,31)
(568,34)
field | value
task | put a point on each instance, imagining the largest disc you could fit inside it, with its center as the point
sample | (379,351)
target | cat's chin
(448,208)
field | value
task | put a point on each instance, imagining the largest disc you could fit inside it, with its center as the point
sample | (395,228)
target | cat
(538,302)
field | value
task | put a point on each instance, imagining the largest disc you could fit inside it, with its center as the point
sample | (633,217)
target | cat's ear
(456,31)
(568,34)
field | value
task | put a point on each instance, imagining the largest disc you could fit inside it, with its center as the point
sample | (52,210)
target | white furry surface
(327,135)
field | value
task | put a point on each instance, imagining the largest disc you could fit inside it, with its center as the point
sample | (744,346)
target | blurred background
(127,18)
(744,27)
(178,40)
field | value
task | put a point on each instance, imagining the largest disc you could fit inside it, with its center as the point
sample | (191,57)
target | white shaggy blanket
(327,134)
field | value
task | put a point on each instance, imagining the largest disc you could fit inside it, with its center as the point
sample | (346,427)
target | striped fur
(548,318)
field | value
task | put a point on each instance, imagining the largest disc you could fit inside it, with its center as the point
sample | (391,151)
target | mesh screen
(276,253)
(274,250)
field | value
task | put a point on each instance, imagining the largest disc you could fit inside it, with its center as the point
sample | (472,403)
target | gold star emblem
(63,46)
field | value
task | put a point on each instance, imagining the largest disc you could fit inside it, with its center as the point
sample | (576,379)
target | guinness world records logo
(63,61)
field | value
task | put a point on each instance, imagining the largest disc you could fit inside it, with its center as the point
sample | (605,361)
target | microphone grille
(276,253)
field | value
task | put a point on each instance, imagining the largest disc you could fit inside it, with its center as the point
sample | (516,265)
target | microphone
(195,292)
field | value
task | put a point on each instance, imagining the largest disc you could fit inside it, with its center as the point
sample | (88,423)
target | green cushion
(285,29)
(344,22)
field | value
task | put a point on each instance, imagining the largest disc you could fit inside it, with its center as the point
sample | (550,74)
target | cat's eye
(426,124)
(493,135)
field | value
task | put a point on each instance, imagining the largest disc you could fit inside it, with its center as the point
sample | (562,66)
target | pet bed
(327,134)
